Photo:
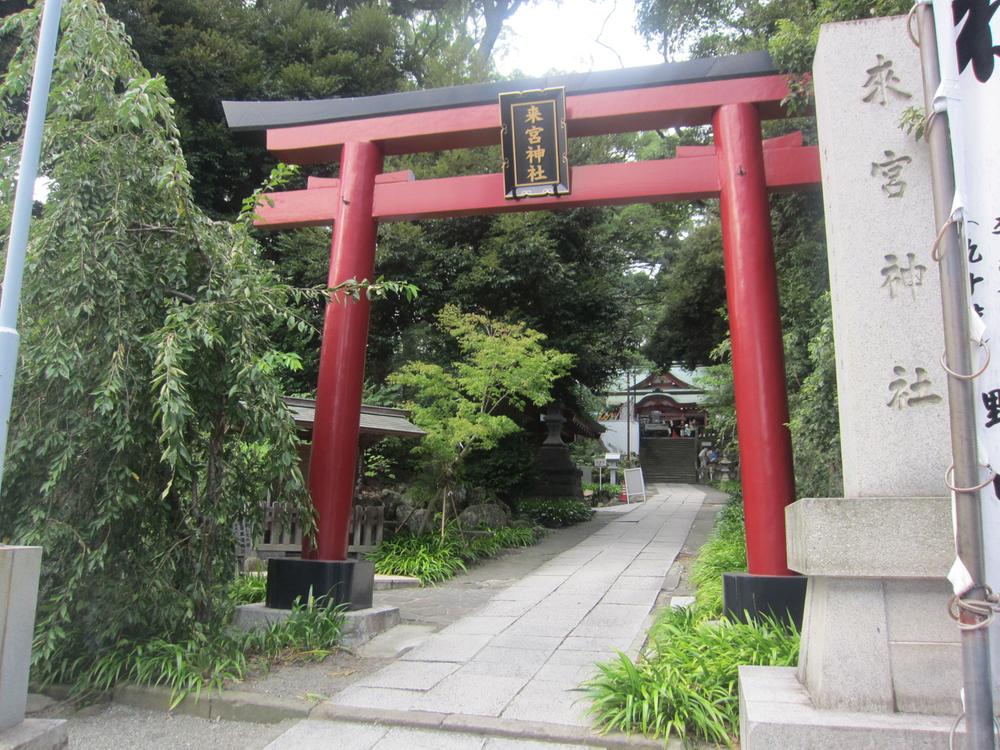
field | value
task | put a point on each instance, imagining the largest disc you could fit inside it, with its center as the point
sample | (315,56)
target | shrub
(249,588)
(210,659)
(554,513)
(605,487)
(604,493)
(506,470)
(428,557)
(517,536)
(432,558)
(685,683)
(498,540)
(724,552)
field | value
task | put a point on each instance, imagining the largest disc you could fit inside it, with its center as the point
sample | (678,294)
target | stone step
(777,712)
(360,625)
(670,460)
(387,583)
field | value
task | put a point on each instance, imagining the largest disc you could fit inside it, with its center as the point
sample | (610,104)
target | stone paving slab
(512,666)
(508,664)
(410,675)
(448,647)
(489,728)
(514,657)
(475,694)
(552,702)
(522,655)
(481,625)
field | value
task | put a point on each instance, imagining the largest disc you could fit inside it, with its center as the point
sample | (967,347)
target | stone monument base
(880,659)
(558,476)
(35,734)
(777,712)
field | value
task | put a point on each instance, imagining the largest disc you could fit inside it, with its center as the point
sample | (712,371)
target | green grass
(685,681)
(432,559)
(209,661)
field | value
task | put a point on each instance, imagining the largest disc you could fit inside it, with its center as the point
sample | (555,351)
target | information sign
(634,484)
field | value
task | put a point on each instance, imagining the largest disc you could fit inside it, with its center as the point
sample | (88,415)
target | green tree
(788,29)
(146,369)
(464,407)
(211,50)
(581,277)
(556,272)
(690,321)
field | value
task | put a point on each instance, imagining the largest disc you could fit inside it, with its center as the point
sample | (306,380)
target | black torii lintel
(250,116)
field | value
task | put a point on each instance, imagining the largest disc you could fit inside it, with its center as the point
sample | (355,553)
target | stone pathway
(515,663)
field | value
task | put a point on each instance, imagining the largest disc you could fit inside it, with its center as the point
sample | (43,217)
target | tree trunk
(495,12)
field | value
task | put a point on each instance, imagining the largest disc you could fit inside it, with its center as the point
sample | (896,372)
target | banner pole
(21,215)
(955,311)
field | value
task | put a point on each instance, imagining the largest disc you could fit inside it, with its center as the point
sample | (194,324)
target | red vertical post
(342,354)
(755,330)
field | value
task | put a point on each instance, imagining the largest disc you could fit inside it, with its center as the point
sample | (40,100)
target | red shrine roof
(661,381)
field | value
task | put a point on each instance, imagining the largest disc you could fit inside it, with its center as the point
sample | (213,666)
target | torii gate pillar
(342,355)
(733,93)
(755,330)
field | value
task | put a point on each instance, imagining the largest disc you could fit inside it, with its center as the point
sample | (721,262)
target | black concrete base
(746,597)
(347,582)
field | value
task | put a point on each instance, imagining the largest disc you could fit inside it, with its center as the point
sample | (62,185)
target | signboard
(600,463)
(533,143)
(634,484)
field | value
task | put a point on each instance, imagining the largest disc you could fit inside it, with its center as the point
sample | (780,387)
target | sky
(562,36)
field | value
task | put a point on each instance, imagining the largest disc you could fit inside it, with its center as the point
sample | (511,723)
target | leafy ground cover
(604,493)
(434,558)
(211,659)
(554,513)
(684,683)
(248,588)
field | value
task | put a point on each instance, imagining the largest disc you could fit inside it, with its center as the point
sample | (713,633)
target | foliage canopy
(146,370)
(503,368)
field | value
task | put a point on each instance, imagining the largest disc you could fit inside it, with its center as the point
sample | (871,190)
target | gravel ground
(313,681)
(125,728)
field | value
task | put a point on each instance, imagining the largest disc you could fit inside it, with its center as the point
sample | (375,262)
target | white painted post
(20,567)
(19,570)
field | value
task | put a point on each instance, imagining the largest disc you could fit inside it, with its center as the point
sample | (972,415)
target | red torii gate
(739,169)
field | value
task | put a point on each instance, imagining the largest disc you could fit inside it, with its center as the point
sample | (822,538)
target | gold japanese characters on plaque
(533,142)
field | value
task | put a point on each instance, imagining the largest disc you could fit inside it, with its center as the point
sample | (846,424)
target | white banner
(968,36)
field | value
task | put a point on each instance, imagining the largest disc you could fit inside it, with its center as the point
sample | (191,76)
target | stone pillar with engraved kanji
(876,638)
